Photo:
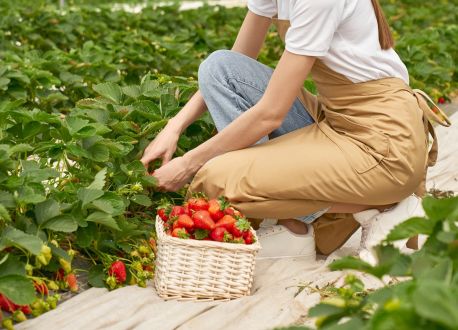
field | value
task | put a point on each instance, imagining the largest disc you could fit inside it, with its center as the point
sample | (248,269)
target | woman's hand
(162,147)
(174,175)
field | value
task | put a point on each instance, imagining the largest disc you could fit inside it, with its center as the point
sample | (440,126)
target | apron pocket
(364,147)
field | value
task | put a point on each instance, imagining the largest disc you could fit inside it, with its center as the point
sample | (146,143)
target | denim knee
(216,66)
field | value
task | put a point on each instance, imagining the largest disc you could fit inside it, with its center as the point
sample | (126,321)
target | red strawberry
(180,233)
(26,309)
(162,214)
(198,204)
(176,211)
(118,270)
(163,210)
(441,100)
(227,222)
(220,234)
(60,274)
(72,282)
(203,220)
(40,287)
(7,305)
(230,211)
(187,209)
(248,237)
(240,227)
(216,207)
(184,221)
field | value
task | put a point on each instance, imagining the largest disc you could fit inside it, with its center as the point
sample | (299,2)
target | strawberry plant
(424,297)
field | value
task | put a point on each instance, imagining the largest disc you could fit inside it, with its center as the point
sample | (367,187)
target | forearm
(193,109)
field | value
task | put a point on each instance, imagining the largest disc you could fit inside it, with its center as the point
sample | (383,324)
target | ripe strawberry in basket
(217,206)
(176,211)
(203,220)
(241,226)
(198,203)
(248,237)
(163,210)
(227,222)
(183,221)
(220,234)
(180,233)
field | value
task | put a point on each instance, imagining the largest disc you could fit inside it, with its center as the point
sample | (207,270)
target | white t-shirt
(342,33)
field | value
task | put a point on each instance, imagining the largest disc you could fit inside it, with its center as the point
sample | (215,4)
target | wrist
(194,161)
(175,126)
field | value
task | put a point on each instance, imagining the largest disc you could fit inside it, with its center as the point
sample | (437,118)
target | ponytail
(384,34)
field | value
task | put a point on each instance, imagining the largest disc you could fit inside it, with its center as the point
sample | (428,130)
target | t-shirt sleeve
(313,24)
(267,8)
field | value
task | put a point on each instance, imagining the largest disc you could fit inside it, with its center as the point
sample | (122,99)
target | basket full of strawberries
(206,250)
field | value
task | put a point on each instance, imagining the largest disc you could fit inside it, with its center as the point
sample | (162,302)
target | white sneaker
(376,225)
(278,242)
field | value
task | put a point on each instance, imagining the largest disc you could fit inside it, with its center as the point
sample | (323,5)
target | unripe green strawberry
(8,324)
(53,286)
(135,254)
(19,316)
(111,282)
(67,267)
(143,249)
(136,265)
(71,253)
(46,251)
(53,300)
(29,269)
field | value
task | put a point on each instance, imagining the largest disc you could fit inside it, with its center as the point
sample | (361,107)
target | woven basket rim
(164,238)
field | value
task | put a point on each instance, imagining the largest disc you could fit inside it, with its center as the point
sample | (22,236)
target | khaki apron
(369,145)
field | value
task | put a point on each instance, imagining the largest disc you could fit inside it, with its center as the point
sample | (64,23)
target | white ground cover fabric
(275,298)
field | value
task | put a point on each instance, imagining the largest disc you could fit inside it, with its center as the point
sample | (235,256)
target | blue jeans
(232,83)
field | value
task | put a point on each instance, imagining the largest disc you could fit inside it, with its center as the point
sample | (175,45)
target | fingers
(167,157)
(148,157)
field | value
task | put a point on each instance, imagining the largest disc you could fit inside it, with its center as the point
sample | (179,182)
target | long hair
(384,33)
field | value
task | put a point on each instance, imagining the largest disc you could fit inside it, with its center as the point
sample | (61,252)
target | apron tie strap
(431,112)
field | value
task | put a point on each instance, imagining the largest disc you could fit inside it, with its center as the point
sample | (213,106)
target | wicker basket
(189,269)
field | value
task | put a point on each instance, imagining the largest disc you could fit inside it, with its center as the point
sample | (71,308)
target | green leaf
(410,228)
(116,202)
(99,152)
(4,214)
(64,223)
(12,266)
(141,200)
(350,263)
(103,205)
(46,210)
(88,195)
(7,199)
(18,148)
(437,302)
(60,253)
(15,237)
(109,90)
(99,180)
(103,219)
(323,309)
(438,209)
(17,288)
(96,276)
(132,91)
